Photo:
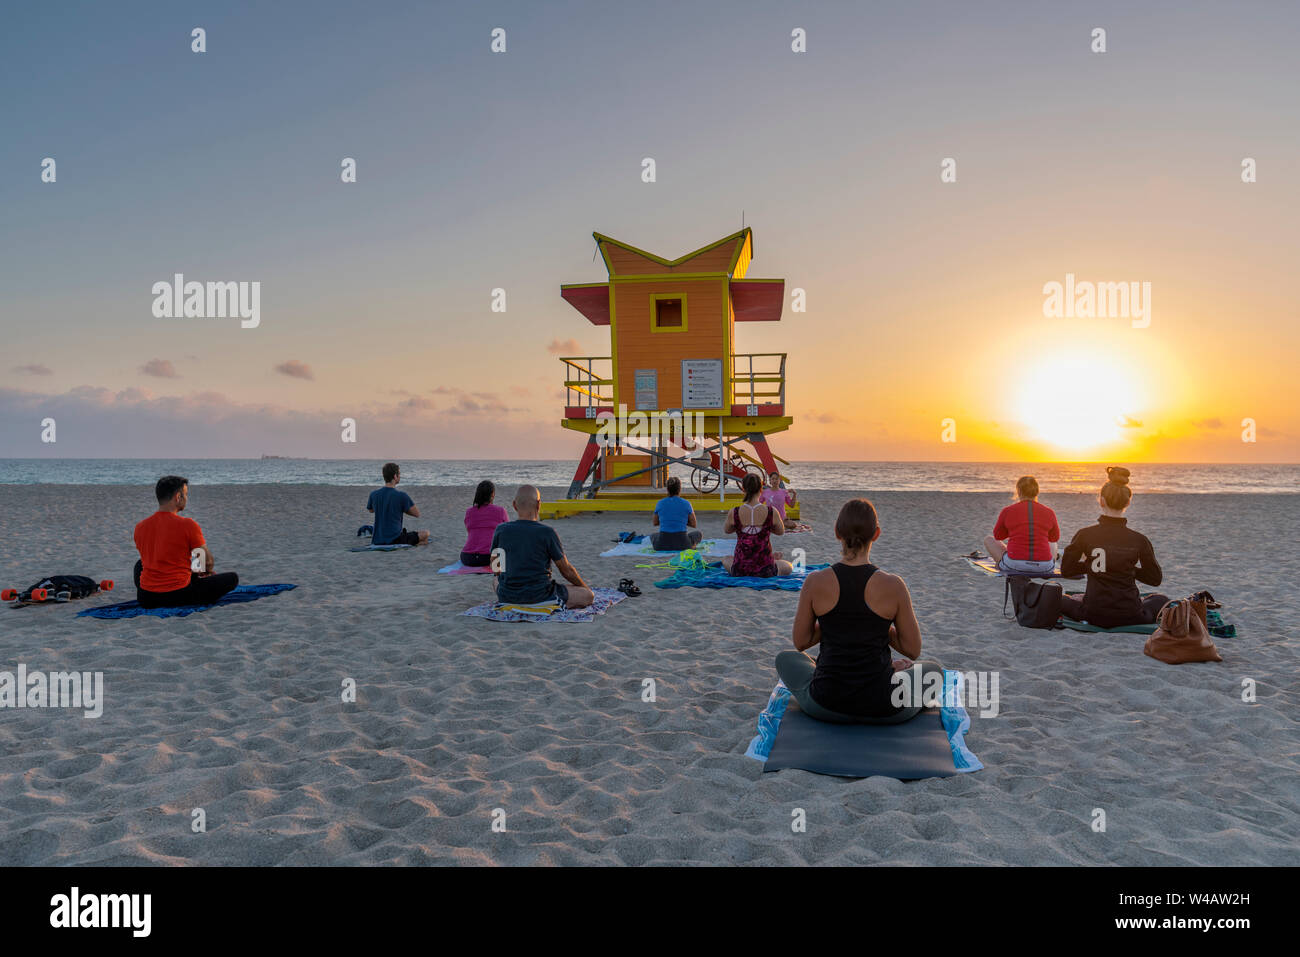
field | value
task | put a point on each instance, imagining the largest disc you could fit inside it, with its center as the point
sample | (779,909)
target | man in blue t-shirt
(676,520)
(389,505)
(527,550)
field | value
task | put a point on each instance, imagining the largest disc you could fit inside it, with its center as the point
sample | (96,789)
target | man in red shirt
(1029,530)
(175,566)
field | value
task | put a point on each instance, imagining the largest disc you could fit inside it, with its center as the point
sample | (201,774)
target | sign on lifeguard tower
(702,384)
(673,392)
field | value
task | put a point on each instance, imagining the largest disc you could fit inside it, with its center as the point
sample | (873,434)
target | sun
(1078,401)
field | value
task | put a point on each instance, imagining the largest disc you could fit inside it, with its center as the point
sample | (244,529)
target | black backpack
(74,586)
(1037,604)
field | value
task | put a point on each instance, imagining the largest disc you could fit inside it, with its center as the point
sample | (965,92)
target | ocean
(855,476)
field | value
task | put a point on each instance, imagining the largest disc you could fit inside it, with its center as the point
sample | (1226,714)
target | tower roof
(753,300)
(729,255)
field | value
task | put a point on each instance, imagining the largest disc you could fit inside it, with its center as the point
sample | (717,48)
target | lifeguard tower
(673,391)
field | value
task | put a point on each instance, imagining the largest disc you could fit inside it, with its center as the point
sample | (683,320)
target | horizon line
(369,458)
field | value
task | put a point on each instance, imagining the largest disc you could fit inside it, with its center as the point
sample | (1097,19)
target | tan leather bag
(1181,636)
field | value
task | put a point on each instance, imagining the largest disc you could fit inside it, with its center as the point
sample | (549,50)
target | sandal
(628,588)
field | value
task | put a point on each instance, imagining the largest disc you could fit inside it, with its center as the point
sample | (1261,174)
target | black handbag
(1036,604)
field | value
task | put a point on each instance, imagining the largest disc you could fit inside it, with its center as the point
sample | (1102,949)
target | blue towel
(132,609)
(715,576)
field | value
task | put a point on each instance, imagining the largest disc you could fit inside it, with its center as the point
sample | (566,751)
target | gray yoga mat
(914,749)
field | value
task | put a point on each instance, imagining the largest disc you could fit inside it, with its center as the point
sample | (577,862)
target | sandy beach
(237,710)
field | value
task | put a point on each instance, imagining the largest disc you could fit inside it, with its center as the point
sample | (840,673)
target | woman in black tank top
(856,665)
(853,677)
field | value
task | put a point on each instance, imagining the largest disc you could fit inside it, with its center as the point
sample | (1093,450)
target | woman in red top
(1029,531)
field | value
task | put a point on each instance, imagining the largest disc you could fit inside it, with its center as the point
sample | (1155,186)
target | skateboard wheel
(106,584)
(39,594)
(8,594)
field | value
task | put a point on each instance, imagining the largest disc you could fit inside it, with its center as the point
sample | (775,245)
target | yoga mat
(715,576)
(930,745)
(493,611)
(709,546)
(1117,630)
(378,548)
(132,609)
(1214,624)
(989,567)
(456,568)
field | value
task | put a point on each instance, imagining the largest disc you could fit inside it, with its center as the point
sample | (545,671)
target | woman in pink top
(481,520)
(776,496)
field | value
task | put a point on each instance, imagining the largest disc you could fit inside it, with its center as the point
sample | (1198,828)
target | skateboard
(56,589)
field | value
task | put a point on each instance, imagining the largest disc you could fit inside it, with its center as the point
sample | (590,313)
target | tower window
(668,313)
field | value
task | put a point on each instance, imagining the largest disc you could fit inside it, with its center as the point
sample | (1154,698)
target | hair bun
(1117,475)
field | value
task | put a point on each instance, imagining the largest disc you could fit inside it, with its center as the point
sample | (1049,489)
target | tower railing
(761,384)
(588,381)
(757,378)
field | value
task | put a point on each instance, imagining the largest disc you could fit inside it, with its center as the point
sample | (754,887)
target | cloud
(162,368)
(96,422)
(823,417)
(34,368)
(1215,423)
(417,403)
(295,369)
(520,390)
(466,403)
(562,347)
(485,404)
(1128,422)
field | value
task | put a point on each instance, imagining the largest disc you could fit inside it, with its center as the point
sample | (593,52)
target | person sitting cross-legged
(170,547)
(527,550)
(857,615)
(754,523)
(675,519)
(389,505)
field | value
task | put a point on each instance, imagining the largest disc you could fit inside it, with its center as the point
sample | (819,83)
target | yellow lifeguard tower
(674,376)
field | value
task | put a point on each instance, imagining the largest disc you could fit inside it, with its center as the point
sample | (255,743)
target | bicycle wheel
(704,481)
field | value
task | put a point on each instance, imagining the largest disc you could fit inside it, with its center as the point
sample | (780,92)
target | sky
(479,170)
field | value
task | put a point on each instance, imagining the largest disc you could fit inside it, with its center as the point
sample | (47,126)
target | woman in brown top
(1115,558)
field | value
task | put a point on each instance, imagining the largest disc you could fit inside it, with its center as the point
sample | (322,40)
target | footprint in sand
(71,767)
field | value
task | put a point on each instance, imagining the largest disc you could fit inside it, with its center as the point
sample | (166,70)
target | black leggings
(797,668)
(675,541)
(1072,608)
(200,591)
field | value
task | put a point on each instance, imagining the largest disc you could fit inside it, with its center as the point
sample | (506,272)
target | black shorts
(475,559)
(559,592)
(403,538)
